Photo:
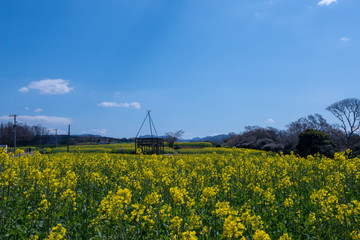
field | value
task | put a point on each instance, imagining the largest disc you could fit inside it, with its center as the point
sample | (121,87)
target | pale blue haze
(204,66)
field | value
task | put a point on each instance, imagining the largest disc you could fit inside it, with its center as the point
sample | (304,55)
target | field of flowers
(228,194)
(129,148)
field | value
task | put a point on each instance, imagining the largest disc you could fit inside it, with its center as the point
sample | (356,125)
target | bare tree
(348,112)
(172,137)
(255,137)
(319,123)
(26,134)
(315,121)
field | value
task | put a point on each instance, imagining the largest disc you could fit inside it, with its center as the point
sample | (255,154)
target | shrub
(267,139)
(355,145)
(313,141)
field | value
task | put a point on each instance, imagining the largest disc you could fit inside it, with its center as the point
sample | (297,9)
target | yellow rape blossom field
(227,194)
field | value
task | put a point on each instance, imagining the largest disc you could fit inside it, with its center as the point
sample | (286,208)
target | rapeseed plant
(219,194)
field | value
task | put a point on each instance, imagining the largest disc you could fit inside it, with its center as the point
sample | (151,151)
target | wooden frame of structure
(150,145)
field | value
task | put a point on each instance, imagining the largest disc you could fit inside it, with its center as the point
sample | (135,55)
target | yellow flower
(178,195)
(223,209)
(58,232)
(312,217)
(188,235)
(285,236)
(175,224)
(261,235)
(152,198)
(288,202)
(233,227)
(208,192)
(355,235)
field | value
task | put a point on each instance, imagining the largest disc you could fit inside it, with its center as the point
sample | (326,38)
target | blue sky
(204,66)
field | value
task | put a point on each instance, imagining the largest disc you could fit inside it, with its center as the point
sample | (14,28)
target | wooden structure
(152,144)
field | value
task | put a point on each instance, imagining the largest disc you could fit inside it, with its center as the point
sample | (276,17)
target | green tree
(314,141)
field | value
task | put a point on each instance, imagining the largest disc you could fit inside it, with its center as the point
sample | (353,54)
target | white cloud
(108,104)
(38,110)
(27,108)
(49,86)
(326,2)
(100,131)
(344,39)
(270,121)
(23,89)
(135,105)
(43,120)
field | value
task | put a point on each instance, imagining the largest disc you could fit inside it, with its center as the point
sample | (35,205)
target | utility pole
(14,127)
(55,137)
(68,139)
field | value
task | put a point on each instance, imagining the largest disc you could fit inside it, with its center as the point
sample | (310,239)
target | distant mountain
(87,135)
(213,139)
(217,138)
(149,136)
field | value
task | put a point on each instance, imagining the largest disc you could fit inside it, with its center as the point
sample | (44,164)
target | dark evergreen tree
(313,141)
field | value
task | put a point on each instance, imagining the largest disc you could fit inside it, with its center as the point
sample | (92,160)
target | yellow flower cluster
(208,192)
(261,235)
(233,227)
(58,232)
(114,204)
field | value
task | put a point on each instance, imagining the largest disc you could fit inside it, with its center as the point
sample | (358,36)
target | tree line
(35,135)
(307,132)
(26,135)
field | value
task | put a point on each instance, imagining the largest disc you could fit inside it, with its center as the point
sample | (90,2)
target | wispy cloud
(326,2)
(38,110)
(109,104)
(23,89)
(270,121)
(44,120)
(134,105)
(344,39)
(49,86)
